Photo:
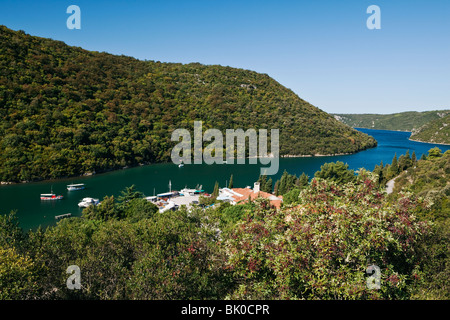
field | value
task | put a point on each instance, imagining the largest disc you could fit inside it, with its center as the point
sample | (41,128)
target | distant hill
(65,111)
(403,121)
(436,131)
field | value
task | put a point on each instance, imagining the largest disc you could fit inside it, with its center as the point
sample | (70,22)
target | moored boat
(74,187)
(86,202)
(50,196)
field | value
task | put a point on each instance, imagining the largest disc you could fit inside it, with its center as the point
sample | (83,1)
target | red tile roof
(246,192)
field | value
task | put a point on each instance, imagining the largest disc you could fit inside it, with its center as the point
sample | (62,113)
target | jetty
(67,215)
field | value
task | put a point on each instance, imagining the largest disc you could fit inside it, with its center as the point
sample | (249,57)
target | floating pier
(67,215)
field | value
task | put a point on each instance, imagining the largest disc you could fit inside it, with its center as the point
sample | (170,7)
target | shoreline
(442,144)
(316,155)
(7,183)
(382,129)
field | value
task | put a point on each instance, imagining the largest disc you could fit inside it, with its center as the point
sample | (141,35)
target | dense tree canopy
(65,111)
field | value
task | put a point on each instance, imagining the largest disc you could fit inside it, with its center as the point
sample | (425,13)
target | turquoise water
(154,179)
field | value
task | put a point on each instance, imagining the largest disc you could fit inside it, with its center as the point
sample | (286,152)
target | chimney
(256,187)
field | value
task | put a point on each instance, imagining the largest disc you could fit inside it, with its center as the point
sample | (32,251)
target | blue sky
(320,49)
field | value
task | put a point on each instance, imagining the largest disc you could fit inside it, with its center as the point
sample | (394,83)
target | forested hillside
(437,131)
(403,121)
(65,111)
(429,179)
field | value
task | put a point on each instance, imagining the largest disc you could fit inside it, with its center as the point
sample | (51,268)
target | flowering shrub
(321,248)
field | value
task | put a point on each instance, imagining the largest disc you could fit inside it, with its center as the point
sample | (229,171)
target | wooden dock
(67,215)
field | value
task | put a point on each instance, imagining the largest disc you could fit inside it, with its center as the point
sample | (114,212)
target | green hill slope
(430,180)
(65,111)
(403,121)
(437,131)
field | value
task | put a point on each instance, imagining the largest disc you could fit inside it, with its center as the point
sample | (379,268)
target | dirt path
(390,186)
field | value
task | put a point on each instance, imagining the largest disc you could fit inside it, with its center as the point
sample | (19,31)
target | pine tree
(129,193)
(230,185)
(262,180)
(414,158)
(393,169)
(302,181)
(268,186)
(215,192)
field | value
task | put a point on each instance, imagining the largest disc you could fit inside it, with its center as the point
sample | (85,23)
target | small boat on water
(50,196)
(74,187)
(86,202)
(180,165)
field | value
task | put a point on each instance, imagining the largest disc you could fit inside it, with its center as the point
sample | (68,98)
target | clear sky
(321,49)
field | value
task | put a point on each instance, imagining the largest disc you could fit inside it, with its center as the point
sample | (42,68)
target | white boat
(74,187)
(50,196)
(180,165)
(86,202)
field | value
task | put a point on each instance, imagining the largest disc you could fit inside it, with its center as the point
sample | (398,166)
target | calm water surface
(152,179)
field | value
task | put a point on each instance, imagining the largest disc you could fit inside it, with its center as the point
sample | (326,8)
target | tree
(393,168)
(404,162)
(414,158)
(264,184)
(129,194)
(275,189)
(230,185)
(337,172)
(434,153)
(138,209)
(18,275)
(286,183)
(106,210)
(291,197)
(215,192)
(268,186)
(302,181)
(11,235)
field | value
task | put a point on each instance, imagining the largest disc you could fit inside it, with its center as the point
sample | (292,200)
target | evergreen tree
(264,184)
(393,168)
(302,181)
(275,190)
(268,186)
(262,181)
(129,194)
(337,172)
(404,162)
(215,192)
(230,185)
(434,153)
